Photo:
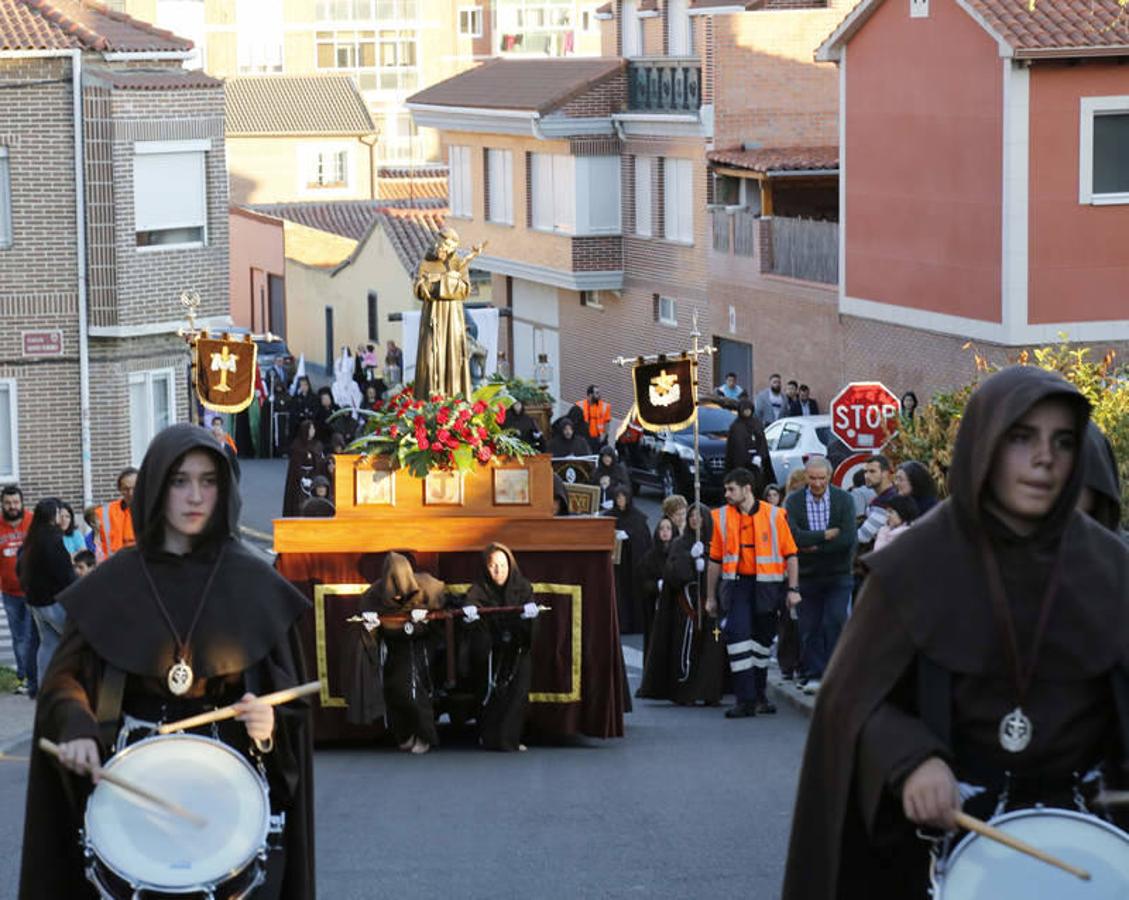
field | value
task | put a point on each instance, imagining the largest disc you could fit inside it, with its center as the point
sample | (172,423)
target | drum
(132,847)
(982,869)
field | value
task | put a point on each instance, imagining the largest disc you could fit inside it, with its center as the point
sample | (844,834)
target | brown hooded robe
(920,669)
(116,652)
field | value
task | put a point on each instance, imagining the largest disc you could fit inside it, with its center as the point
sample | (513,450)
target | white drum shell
(982,869)
(155,850)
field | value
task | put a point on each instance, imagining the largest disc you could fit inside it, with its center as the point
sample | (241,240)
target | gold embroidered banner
(665,392)
(225,373)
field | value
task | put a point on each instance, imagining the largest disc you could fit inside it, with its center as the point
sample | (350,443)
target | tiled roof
(1053,28)
(409,184)
(80,24)
(411,232)
(301,104)
(770,160)
(605,10)
(537,85)
(348,218)
(153,79)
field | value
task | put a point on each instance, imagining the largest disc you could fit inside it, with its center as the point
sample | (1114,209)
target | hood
(1101,477)
(148,494)
(688,537)
(607,450)
(1000,402)
(397,578)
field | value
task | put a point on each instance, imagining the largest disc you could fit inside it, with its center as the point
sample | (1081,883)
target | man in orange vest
(114,518)
(597,415)
(753,556)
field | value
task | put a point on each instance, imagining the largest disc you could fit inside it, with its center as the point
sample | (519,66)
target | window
(349,50)
(397,137)
(1103,176)
(500,183)
(398,61)
(5,200)
(458,161)
(678,200)
(643,197)
(151,408)
(665,311)
(470,21)
(328,168)
(373,317)
(185,18)
(919,9)
(258,27)
(9,432)
(170,192)
(553,202)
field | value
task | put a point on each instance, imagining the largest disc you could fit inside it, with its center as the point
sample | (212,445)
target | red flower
(394,431)
(484,454)
(479,408)
(483,433)
(423,443)
(442,435)
(500,415)
(453,442)
(464,414)
(443,416)
(419,421)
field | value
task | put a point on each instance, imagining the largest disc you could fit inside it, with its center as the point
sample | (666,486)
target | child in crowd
(84,562)
(94,535)
(772,495)
(900,514)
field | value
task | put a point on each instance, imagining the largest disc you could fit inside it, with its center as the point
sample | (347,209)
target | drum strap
(935,698)
(109,711)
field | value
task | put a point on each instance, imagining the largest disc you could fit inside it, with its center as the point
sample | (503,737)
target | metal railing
(670,85)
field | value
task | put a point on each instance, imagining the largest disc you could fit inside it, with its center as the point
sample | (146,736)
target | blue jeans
(823,613)
(25,638)
(50,621)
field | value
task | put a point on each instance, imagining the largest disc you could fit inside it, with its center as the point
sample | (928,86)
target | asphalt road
(687,805)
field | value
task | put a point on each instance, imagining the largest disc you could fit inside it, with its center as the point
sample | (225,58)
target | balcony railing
(734,231)
(806,249)
(664,85)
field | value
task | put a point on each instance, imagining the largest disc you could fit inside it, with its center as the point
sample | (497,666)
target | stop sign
(864,415)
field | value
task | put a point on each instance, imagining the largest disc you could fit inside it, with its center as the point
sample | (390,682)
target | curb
(786,693)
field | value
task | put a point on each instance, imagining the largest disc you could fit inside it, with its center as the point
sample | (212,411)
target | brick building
(113,201)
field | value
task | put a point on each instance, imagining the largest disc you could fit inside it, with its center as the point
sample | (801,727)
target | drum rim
(260,843)
(1028,812)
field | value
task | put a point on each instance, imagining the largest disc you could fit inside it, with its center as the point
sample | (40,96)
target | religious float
(435,475)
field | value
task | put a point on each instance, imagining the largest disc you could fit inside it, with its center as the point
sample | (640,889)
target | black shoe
(764,708)
(787,676)
(741,711)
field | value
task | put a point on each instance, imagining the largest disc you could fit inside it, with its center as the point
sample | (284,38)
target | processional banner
(665,392)
(225,373)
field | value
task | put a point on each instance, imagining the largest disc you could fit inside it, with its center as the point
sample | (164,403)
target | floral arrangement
(451,433)
(528,392)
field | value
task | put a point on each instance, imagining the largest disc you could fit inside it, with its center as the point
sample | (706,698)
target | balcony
(745,244)
(666,85)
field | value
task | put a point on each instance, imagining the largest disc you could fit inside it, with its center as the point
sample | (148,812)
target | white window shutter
(169,191)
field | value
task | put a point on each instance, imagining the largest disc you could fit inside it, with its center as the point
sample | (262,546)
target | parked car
(664,460)
(271,352)
(793,440)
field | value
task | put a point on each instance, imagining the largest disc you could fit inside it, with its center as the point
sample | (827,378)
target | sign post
(864,416)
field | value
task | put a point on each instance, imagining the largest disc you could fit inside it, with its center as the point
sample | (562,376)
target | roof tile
(1058,27)
(770,160)
(538,85)
(296,104)
(347,218)
(80,24)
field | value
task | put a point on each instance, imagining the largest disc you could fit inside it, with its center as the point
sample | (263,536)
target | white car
(794,440)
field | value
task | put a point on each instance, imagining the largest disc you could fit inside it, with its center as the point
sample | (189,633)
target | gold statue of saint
(443,283)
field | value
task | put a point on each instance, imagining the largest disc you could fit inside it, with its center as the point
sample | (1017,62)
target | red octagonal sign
(864,415)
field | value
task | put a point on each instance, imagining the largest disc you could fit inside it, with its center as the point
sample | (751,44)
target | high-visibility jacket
(755,545)
(597,415)
(116,526)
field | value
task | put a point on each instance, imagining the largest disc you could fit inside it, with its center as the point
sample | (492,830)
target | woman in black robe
(746,444)
(306,462)
(687,663)
(922,689)
(501,645)
(521,422)
(118,653)
(325,409)
(609,472)
(649,576)
(302,406)
(634,537)
(406,596)
(565,441)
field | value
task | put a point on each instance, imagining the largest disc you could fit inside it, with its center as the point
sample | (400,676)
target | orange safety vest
(756,545)
(117,527)
(597,416)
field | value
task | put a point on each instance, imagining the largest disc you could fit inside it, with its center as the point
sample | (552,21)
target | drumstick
(1112,798)
(964,820)
(129,787)
(230,712)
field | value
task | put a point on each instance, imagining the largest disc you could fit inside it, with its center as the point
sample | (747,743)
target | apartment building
(113,201)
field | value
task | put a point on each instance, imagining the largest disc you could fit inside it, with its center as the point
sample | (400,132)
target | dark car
(272,352)
(665,460)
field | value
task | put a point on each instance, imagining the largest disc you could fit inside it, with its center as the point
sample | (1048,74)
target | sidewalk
(17,716)
(783,692)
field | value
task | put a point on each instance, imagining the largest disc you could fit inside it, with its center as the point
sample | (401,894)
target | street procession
(564,450)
